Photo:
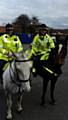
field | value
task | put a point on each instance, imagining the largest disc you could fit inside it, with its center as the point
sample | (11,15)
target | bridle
(16,79)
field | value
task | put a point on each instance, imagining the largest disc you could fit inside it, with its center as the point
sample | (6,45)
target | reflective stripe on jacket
(42,46)
(8,44)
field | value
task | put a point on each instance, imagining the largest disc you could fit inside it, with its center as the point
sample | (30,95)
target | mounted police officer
(42,46)
(8,43)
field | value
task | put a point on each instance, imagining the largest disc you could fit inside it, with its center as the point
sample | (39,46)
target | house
(2,29)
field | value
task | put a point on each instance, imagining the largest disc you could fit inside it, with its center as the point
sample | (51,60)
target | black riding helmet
(9,28)
(43,29)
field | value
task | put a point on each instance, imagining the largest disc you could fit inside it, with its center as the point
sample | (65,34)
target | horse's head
(22,68)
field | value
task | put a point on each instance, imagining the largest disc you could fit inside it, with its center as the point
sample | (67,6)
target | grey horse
(16,81)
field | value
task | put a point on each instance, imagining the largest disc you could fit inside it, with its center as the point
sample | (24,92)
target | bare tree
(22,23)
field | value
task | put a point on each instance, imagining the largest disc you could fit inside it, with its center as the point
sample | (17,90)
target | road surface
(31,101)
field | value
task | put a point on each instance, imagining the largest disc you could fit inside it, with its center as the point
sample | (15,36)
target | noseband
(16,79)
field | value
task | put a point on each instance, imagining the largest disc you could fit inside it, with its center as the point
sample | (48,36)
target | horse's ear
(20,56)
(16,55)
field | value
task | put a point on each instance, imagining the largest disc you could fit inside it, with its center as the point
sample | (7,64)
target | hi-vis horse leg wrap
(50,71)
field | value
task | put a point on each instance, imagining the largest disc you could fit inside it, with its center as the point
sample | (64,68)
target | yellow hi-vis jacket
(42,47)
(7,44)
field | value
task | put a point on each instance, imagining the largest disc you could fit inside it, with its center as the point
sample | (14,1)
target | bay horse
(50,70)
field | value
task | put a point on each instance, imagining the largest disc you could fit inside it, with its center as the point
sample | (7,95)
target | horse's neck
(12,65)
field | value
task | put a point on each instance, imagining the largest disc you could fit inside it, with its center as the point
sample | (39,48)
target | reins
(15,78)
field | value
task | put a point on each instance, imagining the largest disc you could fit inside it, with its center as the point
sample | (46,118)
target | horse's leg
(19,102)
(30,77)
(27,86)
(9,105)
(52,89)
(44,89)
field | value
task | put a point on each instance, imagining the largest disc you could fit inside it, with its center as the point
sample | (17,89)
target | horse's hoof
(9,118)
(19,110)
(52,102)
(42,103)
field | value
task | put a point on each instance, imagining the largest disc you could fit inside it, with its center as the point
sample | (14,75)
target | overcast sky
(54,13)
